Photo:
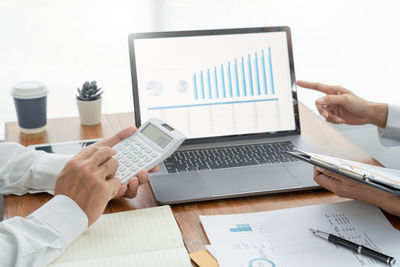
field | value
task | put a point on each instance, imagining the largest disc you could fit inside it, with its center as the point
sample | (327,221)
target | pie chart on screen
(154,88)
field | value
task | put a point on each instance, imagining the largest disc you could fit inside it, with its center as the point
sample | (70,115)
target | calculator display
(156,135)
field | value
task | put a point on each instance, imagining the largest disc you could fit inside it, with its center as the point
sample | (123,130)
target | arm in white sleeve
(390,136)
(42,236)
(28,171)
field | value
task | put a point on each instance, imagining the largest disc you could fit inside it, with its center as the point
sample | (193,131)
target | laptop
(232,93)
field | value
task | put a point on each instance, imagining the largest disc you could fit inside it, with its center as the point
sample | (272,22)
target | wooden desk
(322,135)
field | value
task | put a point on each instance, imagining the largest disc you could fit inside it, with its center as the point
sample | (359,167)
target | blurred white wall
(63,43)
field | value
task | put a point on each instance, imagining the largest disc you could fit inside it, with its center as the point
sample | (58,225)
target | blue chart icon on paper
(261,262)
(154,88)
(241,228)
(182,86)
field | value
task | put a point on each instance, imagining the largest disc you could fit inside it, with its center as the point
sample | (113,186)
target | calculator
(153,142)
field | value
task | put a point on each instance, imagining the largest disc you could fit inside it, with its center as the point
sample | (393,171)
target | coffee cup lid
(28,90)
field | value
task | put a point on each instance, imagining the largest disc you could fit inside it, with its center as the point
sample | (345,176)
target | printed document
(282,237)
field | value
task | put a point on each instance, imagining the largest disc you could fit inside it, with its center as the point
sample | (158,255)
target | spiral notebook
(146,237)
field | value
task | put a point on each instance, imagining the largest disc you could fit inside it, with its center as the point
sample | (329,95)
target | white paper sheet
(282,237)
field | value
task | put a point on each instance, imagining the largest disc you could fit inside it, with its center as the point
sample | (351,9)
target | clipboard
(362,177)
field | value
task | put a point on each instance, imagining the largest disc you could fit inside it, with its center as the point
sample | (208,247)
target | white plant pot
(89,111)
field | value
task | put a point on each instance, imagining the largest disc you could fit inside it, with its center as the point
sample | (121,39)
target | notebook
(146,237)
(232,92)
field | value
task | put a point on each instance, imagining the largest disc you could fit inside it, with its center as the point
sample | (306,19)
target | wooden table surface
(326,138)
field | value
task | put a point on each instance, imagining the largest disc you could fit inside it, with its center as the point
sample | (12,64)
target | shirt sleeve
(390,136)
(23,170)
(42,236)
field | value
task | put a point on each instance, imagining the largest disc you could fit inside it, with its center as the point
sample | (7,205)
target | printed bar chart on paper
(241,228)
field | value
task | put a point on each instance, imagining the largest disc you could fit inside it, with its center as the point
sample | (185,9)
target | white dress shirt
(42,236)
(390,136)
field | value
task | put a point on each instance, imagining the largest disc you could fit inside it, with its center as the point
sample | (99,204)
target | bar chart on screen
(249,75)
(217,86)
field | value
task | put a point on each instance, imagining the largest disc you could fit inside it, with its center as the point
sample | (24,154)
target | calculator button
(138,143)
(134,169)
(134,159)
(126,143)
(153,155)
(130,154)
(123,160)
(136,149)
(119,147)
(148,150)
(142,146)
(129,163)
(140,163)
(125,152)
(147,159)
(122,169)
(141,154)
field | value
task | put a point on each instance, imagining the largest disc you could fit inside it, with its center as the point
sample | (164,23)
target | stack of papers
(282,237)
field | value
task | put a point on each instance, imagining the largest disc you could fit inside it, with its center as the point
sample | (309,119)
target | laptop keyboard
(229,157)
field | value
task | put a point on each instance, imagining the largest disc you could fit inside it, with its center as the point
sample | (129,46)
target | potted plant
(89,103)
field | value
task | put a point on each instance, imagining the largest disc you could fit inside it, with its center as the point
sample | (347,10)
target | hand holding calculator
(153,142)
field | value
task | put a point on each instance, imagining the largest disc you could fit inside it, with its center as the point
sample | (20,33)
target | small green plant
(89,92)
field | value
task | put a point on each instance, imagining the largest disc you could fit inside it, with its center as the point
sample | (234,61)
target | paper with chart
(281,237)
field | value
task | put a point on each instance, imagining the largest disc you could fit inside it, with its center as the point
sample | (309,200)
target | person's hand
(348,188)
(343,106)
(130,190)
(88,179)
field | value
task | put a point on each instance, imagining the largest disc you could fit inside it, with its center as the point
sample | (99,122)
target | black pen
(355,247)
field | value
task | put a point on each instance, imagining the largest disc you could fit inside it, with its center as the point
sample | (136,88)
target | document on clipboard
(379,177)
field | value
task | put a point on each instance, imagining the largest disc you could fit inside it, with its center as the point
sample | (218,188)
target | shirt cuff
(64,216)
(390,136)
(46,170)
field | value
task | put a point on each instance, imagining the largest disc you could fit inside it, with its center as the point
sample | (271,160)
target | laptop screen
(215,84)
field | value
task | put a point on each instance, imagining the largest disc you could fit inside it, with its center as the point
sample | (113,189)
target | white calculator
(153,142)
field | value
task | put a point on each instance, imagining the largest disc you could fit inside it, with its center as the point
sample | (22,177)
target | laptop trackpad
(249,179)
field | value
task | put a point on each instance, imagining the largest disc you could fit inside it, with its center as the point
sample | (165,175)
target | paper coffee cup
(30,99)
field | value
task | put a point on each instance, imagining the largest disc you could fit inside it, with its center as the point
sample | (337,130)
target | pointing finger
(115,139)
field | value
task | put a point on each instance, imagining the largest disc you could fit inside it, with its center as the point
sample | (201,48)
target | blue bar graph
(202,85)
(209,84)
(195,86)
(244,76)
(236,79)
(243,79)
(223,81)
(216,82)
(270,71)
(250,75)
(241,228)
(230,79)
(264,73)
(257,75)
